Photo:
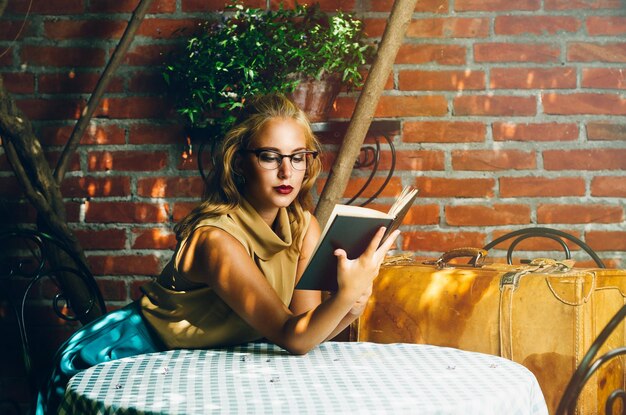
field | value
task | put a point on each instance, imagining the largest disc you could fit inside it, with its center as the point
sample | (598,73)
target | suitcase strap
(509,283)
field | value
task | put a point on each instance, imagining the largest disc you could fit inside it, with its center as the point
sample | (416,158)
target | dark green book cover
(352,229)
(347,232)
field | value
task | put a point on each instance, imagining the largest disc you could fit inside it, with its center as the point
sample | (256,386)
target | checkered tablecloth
(334,378)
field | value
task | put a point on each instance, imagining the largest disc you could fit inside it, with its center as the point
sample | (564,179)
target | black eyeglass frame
(257,152)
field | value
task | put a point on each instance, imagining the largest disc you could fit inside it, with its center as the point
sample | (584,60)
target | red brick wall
(513,115)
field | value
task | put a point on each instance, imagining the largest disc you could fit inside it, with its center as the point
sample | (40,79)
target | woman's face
(268,190)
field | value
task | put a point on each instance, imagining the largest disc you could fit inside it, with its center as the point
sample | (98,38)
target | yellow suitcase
(544,315)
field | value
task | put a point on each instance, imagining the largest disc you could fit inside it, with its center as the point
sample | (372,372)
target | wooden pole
(103,83)
(339,175)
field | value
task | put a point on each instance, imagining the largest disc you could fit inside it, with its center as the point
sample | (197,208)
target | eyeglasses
(271,160)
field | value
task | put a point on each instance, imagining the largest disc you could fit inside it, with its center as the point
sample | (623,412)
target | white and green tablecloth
(334,378)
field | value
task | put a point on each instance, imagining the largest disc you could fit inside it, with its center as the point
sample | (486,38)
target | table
(334,378)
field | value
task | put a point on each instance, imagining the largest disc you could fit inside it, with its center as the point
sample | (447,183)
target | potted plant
(250,51)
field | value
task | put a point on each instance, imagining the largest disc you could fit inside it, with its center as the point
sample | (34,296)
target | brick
(461,188)
(392,189)
(580,213)
(147,55)
(153,239)
(113,289)
(168,28)
(124,264)
(535,25)
(606,240)
(432,6)
(516,52)
(422,215)
(424,53)
(182,209)
(84,29)
(126,212)
(53,159)
(581,4)
(607,78)
(10,188)
(492,160)
(96,186)
(495,5)
(396,106)
(147,83)
(75,82)
(92,239)
(443,132)
(584,103)
(134,107)
(494,105)
(170,187)
(585,159)
(480,215)
(325,5)
(17,28)
(449,28)
(608,186)
(73,210)
(128,6)
(19,83)
(440,242)
(188,162)
(47,109)
(603,130)
(127,160)
(62,56)
(533,78)
(413,160)
(441,80)
(214,5)
(94,134)
(53,7)
(593,52)
(374,27)
(135,287)
(411,106)
(541,186)
(156,134)
(505,131)
(606,25)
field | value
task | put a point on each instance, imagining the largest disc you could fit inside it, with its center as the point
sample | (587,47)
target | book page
(407,195)
(355,211)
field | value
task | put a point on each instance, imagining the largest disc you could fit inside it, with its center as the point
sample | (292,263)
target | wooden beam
(339,175)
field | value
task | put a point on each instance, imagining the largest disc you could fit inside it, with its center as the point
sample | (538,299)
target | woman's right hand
(355,276)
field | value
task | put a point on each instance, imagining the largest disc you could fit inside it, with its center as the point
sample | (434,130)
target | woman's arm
(215,258)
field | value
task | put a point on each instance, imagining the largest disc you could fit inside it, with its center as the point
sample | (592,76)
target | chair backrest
(546,233)
(26,258)
(589,365)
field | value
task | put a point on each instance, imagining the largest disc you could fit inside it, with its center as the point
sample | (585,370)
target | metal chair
(589,365)
(547,233)
(25,260)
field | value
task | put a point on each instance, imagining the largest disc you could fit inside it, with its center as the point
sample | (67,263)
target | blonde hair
(224,184)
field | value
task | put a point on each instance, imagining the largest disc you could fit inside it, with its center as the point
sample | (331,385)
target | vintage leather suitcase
(544,315)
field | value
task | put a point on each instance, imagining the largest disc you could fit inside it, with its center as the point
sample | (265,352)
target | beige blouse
(198,318)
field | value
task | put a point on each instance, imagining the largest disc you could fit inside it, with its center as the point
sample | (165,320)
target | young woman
(239,256)
(243,250)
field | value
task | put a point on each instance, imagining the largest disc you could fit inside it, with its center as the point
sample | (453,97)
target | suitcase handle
(477,254)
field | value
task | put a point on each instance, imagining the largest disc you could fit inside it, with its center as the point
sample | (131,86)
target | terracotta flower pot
(316,97)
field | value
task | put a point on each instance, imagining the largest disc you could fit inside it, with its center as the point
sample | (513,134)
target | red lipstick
(284,190)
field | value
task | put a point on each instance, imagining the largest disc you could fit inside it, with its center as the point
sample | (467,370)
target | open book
(352,229)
